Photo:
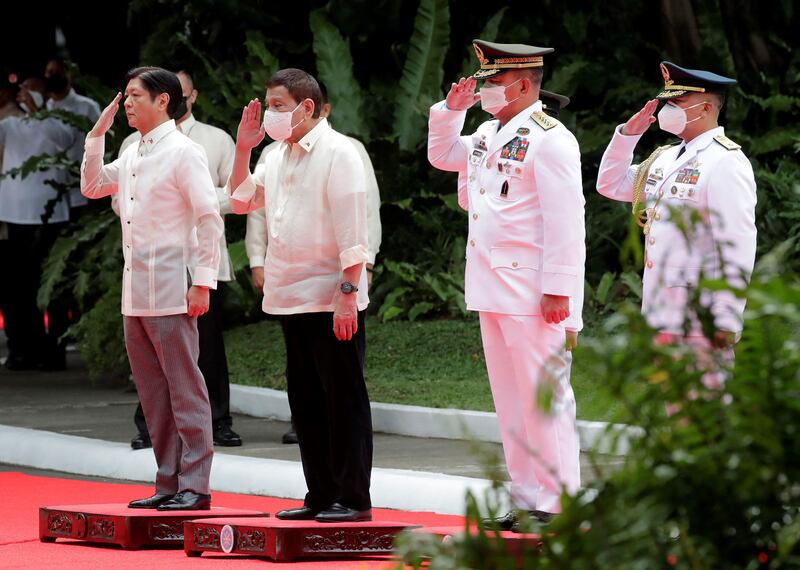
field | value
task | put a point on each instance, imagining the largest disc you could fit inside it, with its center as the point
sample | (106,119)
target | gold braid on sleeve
(638,185)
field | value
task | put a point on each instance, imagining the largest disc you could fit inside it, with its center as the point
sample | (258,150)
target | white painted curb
(445,423)
(391,488)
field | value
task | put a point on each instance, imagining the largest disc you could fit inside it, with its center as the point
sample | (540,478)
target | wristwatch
(348,288)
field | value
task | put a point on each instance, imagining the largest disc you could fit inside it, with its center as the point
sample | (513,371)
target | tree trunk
(679,31)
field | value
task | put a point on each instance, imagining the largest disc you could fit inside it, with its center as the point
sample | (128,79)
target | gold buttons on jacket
(649,265)
(488,164)
(651,241)
(474,216)
(472,242)
(483,191)
(514,264)
(658,216)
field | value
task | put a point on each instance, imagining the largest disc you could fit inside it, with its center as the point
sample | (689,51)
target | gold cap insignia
(479,53)
(665,74)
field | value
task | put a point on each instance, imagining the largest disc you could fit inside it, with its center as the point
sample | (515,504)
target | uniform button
(134,175)
(488,164)
(131,198)
(651,241)
(127,269)
(674,190)
(514,264)
(474,216)
(518,170)
(691,191)
(128,222)
(483,191)
(649,265)
(472,242)
(658,216)
(660,192)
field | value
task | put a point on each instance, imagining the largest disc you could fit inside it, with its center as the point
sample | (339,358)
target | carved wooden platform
(117,524)
(284,541)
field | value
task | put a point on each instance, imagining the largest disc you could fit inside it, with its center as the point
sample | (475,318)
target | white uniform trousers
(524,357)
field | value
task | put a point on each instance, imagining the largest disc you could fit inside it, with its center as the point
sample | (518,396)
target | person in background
(34,215)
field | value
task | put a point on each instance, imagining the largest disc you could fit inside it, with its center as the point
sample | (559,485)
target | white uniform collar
(701,140)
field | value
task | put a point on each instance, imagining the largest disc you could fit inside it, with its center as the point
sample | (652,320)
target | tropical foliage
(714,485)
(385,62)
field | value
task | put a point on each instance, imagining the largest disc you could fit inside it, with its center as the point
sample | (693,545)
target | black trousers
(330,409)
(25,251)
(213,364)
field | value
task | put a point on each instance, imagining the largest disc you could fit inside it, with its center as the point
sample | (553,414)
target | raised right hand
(106,118)
(642,120)
(251,131)
(462,94)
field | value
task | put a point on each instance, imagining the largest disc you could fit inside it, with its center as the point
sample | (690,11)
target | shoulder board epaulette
(727,143)
(543,120)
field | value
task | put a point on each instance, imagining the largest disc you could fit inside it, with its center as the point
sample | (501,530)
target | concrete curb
(391,488)
(445,423)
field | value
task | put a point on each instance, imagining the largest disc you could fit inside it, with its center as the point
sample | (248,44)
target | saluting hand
(106,118)
(462,94)
(251,131)
(642,120)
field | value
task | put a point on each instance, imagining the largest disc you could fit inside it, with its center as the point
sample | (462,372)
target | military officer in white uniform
(706,175)
(525,255)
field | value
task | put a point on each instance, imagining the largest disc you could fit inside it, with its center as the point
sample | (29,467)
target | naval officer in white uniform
(525,256)
(705,177)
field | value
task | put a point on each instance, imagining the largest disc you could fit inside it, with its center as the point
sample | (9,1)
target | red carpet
(22,495)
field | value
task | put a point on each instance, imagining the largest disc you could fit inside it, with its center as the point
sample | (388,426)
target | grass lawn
(428,363)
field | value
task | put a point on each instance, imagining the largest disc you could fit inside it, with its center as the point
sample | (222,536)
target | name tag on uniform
(477,156)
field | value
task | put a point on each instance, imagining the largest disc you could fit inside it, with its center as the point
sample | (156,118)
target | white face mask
(278,125)
(493,98)
(38,99)
(672,118)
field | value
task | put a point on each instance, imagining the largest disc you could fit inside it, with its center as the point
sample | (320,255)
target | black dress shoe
(537,518)
(141,441)
(289,437)
(339,513)
(187,501)
(150,502)
(505,522)
(300,514)
(511,519)
(224,436)
(20,363)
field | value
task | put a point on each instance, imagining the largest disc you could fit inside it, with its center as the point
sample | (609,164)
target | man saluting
(707,178)
(525,254)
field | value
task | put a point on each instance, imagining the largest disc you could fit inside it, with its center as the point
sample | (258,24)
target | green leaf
(633,281)
(421,82)
(489,34)
(256,47)
(606,281)
(391,313)
(419,309)
(335,69)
